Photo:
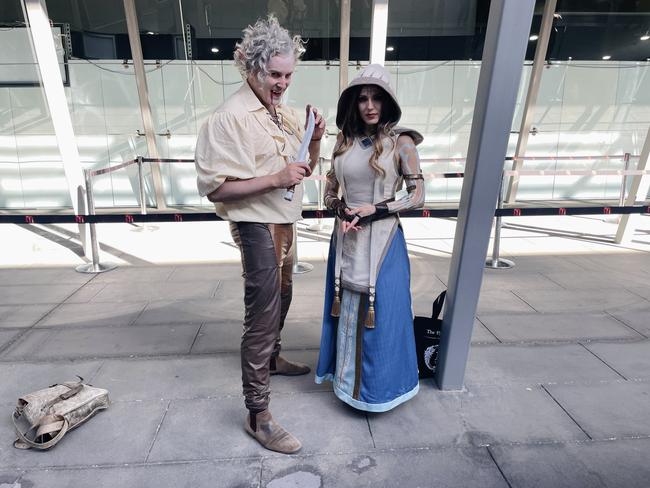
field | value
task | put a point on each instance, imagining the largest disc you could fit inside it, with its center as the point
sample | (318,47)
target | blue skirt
(371,369)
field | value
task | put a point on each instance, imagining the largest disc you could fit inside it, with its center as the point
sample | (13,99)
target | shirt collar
(250,100)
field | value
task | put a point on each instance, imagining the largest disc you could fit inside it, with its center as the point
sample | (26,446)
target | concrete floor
(557,390)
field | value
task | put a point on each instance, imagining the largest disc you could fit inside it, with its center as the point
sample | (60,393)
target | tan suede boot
(281,366)
(271,434)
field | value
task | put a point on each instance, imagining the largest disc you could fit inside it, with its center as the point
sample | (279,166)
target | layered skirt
(372,369)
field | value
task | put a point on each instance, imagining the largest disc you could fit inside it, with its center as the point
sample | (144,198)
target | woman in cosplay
(367,345)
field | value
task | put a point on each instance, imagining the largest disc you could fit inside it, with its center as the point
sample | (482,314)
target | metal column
(143,95)
(531,96)
(41,34)
(638,194)
(378,31)
(503,55)
(344,45)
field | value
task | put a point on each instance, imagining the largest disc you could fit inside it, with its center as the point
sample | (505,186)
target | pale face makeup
(273,85)
(370,102)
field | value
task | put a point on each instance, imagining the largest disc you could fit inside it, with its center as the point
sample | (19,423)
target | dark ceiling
(417,30)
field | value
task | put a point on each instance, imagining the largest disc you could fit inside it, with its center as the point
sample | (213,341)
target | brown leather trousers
(267,260)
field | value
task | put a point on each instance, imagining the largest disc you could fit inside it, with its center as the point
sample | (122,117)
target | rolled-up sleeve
(224,150)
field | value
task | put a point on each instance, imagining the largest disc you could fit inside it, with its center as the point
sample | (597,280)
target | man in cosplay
(367,345)
(244,157)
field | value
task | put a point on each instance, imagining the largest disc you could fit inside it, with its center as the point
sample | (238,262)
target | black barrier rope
(131,218)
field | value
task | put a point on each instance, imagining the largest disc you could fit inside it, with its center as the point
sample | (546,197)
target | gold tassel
(336,304)
(370,315)
(370,318)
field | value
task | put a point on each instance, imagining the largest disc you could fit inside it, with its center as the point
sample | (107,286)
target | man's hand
(319,123)
(291,175)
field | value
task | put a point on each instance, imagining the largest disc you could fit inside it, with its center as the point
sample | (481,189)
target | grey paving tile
(609,409)
(631,359)
(203,429)
(22,315)
(135,292)
(208,272)
(171,378)
(481,335)
(642,291)
(93,314)
(532,364)
(86,293)
(617,263)
(589,280)
(444,468)
(603,464)
(476,417)
(43,276)
(501,301)
(120,434)
(218,431)
(192,311)
(9,479)
(103,342)
(637,317)
(513,279)
(549,262)
(35,294)
(130,274)
(322,422)
(206,474)
(226,336)
(299,384)
(21,378)
(533,326)
(598,300)
(7,335)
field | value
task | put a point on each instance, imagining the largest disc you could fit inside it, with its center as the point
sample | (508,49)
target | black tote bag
(427,338)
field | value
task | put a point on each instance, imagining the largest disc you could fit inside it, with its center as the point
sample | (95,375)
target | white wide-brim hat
(373,74)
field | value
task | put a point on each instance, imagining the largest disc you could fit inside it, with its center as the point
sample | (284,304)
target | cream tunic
(241,141)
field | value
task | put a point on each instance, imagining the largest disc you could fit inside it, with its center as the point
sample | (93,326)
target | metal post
(531,96)
(298,267)
(626,166)
(344,45)
(495,262)
(143,197)
(95,266)
(501,66)
(143,96)
(638,193)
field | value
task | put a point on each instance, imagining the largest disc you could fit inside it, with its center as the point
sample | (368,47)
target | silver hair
(262,41)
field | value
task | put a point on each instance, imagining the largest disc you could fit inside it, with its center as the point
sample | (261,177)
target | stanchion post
(95,266)
(495,262)
(298,267)
(626,167)
(143,201)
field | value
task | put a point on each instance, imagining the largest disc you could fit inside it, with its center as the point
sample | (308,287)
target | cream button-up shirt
(240,141)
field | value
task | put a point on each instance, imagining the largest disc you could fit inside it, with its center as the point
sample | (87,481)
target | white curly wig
(262,41)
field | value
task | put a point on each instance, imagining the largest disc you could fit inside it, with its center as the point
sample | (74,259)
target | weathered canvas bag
(54,411)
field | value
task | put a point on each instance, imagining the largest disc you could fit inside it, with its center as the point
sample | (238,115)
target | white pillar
(48,66)
(378,31)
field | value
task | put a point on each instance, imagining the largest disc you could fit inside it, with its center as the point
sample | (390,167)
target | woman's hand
(357,213)
(363,211)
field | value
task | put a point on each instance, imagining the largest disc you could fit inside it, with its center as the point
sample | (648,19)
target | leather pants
(267,261)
